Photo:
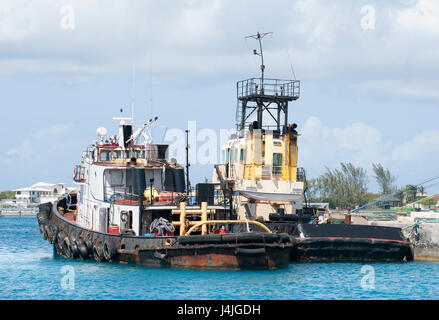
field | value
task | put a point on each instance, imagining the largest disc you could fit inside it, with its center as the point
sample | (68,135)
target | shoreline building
(40,192)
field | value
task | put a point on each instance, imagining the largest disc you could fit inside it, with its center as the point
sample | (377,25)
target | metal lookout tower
(259,96)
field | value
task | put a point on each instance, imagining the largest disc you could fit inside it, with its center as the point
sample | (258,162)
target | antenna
(259,37)
(150,84)
(291,65)
(188,184)
(132,93)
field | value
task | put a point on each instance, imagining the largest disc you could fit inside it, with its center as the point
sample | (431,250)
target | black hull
(229,251)
(331,242)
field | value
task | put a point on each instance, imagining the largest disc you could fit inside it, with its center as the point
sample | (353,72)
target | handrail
(195,227)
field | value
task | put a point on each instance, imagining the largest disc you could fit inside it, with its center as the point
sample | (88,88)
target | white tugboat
(132,207)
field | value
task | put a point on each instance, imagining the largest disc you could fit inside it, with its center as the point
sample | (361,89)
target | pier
(18,211)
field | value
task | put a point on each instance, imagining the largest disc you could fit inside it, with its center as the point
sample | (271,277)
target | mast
(259,37)
(188,184)
(259,97)
(133,94)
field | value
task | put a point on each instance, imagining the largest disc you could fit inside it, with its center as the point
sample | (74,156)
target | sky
(368,72)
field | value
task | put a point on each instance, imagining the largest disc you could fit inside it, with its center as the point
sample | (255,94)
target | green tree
(7,195)
(384,179)
(312,190)
(345,187)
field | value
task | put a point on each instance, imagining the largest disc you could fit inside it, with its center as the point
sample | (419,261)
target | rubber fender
(60,237)
(283,217)
(200,239)
(52,234)
(284,238)
(250,252)
(45,207)
(229,238)
(159,255)
(98,252)
(43,231)
(89,245)
(410,254)
(274,217)
(83,251)
(270,237)
(74,248)
(109,249)
(42,219)
(250,237)
(66,247)
(44,211)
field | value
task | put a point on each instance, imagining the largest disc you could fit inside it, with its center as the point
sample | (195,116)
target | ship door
(126,220)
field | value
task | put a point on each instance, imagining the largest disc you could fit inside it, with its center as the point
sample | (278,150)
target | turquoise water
(29,270)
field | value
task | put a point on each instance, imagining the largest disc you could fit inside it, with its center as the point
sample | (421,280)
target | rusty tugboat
(133,204)
(132,207)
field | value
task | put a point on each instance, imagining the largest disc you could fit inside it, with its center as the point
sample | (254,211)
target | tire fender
(98,252)
(66,247)
(83,251)
(109,249)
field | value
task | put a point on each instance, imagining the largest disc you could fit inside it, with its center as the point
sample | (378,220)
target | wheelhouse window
(116,177)
(277,163)
(138,154)
(105,155)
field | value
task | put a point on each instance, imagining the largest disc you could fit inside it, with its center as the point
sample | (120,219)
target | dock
(18,212)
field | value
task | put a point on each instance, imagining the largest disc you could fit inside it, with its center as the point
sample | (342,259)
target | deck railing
(288,89)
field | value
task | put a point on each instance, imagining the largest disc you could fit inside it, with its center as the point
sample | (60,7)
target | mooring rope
(160,225)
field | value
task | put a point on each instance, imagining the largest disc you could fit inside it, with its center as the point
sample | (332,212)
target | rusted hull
(348,249)
(226,252)
(326,242)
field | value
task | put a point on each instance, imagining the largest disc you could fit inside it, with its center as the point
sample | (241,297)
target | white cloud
(43,144)
(422,17)
(362,144)
(422,146)
(359,143)
(195,38)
